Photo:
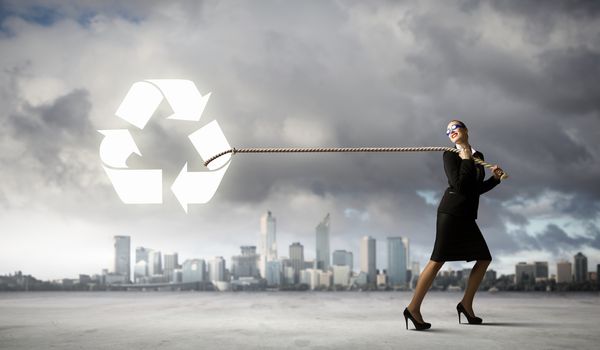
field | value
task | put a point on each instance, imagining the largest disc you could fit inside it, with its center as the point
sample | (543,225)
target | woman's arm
(488,184)
(461,175)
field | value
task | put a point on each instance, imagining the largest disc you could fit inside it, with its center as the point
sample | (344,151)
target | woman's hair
(459,122)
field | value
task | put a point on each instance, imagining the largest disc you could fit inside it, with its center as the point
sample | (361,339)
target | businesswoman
(457,235)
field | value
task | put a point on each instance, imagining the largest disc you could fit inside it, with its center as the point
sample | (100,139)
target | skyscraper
(396,257)
(322,245)
(564,272)
(123,257)
(581,268)
(216,269)
(297,259)
(267,244)
(141,263)
(343,258)
(246,264)
(541,270)
(193,270)
(524,273)
(141,253)
(171,263)
(368,258)
(154,262)
(274,271)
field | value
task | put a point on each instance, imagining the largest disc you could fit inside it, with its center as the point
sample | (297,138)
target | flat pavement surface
(293,320)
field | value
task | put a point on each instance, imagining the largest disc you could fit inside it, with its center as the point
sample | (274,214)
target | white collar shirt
(473,150)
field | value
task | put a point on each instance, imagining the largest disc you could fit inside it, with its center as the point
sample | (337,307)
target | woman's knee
(436,264)
(484,262)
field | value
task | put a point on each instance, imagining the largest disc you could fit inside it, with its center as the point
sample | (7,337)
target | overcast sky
(523,76)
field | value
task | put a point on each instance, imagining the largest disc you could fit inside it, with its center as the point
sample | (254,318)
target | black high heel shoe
(418,326)
(472,320)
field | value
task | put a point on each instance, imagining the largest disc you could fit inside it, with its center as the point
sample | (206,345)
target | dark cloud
(48,132)
(556,239)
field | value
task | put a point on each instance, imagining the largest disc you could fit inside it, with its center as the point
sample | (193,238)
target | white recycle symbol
(137,186)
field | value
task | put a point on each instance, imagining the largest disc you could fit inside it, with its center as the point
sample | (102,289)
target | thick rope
(503,175)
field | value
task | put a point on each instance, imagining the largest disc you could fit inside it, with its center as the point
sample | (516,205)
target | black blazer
(466,184)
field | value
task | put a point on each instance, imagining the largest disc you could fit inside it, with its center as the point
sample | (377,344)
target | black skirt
(458,238)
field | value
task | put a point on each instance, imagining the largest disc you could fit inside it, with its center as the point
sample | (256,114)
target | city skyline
(521,77)
(268,220)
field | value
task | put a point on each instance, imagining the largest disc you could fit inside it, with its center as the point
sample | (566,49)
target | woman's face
(460,134)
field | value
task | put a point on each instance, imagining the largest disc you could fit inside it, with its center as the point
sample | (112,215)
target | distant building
(322,244)
(246,264)
(297,260)
(325,279)
(343,257)
(123,257)
(140,269)
(397,249)
(154,262)
(267,245)
(541,270)
(360,279)
(313,277)
(216,269)
(289,276)
(415,272)
(341,275)
(274,271)
(564,272)
(524,273)
(368,258)
(193,270)
(382,279)
(581,269)
(490,276)
(141,253)
(171,263)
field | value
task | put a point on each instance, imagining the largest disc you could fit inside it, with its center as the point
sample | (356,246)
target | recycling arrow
(136,186)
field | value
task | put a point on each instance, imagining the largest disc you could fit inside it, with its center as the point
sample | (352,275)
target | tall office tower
(396,257)
(246,264)
(141,263)
(216,269)
(322,246)
(581,269)
(193,270)
(123,257)
(141,253)
(171,264)
(154,262)
(343,258)
(368,258)
(405,242)
(564,272)
(297,259)
(541,270)
(267,244)
(524,273)
(274,271)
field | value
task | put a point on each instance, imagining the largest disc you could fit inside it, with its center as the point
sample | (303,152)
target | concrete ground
(293,320)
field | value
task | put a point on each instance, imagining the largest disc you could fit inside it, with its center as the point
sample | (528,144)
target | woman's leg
(423,283)
(475,278)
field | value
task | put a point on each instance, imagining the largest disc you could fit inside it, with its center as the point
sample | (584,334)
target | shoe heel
(458,317)
(406,320)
